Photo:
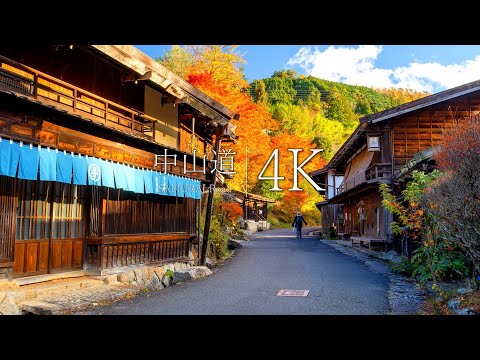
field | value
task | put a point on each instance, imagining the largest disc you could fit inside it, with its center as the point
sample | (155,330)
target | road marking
(289,292)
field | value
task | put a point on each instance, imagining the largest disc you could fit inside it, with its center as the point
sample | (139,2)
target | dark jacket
(298,221)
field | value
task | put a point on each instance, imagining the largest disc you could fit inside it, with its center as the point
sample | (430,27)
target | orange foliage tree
(253,127)
(231,211)
(217,71)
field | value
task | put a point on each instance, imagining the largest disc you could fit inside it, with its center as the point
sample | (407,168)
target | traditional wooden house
(254,208)
(97,165)
(385,148)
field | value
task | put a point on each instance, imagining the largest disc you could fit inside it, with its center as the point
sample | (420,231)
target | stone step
(53,287)
(29,280)
(77,299)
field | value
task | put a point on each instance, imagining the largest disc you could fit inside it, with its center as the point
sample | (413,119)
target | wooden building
(254,206)
(82,187)
(385,148)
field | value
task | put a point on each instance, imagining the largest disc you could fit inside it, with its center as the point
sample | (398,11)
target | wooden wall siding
(422,130)
(188,143)
(203,143)
(252,209)
(385,155)
(18,126)
(66,254)
(129,213)
(372,201)
(31,257)
(330,214)
(8,208)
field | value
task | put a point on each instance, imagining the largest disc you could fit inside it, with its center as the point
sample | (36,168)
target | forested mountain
(322,111)
(282,112)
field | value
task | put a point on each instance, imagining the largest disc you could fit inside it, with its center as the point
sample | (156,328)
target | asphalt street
(247,284)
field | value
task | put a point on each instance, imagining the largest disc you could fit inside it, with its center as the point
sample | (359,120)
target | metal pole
(246,172)
(208,217)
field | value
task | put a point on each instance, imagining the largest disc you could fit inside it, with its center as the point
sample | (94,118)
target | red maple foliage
(459,143)
(216,74)
(232,211)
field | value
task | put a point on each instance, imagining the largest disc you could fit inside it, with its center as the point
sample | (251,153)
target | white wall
(331,187)
(166,132)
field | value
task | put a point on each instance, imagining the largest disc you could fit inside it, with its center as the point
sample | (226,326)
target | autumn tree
(255,121)
(217,71)
(455,198)
(178,60)
(261,95)
(228,211)
(401,95)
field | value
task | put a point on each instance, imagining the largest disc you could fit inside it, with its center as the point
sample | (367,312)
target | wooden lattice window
(49,210)
(34,210)
(68,211)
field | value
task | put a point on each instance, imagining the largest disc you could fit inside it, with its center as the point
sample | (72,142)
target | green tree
(291,74)
(261,95)
(177,59)
(280,90)
(340,110)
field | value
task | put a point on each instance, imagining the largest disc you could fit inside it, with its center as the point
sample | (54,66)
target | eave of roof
(253,196)
(423,102)
(319,171)
(134,59)
(401,110)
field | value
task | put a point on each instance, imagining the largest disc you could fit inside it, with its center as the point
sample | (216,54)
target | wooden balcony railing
(379,172)
(374,172)
(46,88)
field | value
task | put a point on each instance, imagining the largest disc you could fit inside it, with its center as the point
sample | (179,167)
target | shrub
(448,262)
(404,267)
(454,200)
(436,257)
(218,241)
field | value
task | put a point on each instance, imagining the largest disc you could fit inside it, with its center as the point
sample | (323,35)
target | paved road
(273,260)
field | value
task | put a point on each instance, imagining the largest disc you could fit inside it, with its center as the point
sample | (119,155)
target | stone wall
(13,298)
(254,226)
(158,277)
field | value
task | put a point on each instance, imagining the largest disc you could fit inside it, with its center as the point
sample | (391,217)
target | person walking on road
(298,223)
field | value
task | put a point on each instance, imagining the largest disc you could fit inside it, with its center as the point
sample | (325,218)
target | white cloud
(356,65)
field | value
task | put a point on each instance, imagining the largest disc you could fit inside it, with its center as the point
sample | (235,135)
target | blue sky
(429,68)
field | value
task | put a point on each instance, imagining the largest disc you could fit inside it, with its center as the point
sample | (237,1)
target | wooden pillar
(87,203)
(208,217)
(199,219)
(245,209)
